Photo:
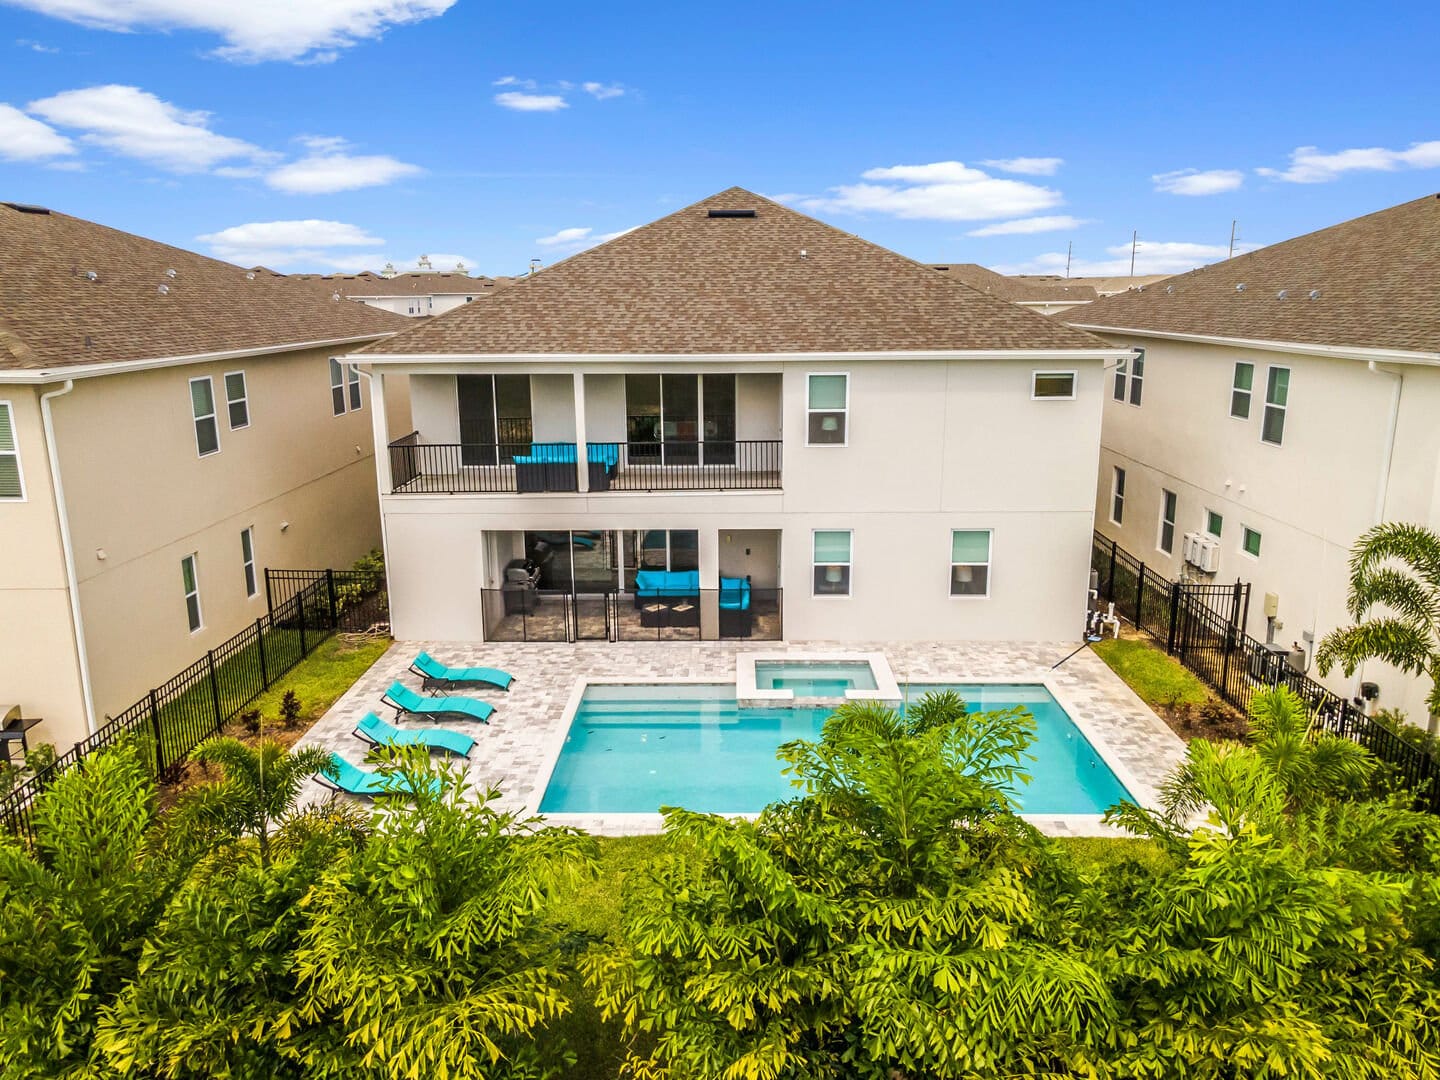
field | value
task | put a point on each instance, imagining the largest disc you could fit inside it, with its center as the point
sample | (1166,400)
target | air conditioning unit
(1187,546)
(1209,556)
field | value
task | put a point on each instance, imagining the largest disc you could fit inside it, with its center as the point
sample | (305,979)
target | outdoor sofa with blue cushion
(404,700)
(342,776)
(440,675)
(378,732)
(653,585)
(551,466)
(734,607)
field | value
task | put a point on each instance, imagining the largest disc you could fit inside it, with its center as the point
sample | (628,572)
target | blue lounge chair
(439,675)
(404,700)
(340,775)
(379,733)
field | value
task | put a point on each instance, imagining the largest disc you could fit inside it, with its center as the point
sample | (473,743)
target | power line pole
(1134,243)
(1233,223)
(1068,249)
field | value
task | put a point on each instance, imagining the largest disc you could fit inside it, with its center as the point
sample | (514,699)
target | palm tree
(261,785)
(1395,566)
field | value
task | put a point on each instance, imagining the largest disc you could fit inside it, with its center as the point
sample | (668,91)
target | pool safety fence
(565,615)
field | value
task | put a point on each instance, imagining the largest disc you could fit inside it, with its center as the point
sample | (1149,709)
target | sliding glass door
(670,418)
(495,418)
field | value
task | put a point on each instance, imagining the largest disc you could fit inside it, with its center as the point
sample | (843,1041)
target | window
(1168,502)
(1250,541)
(970,562)
(192,592)
(202,404)
(1053,384)
(832,562)
(12,484)
(827,407)
(354,376)
(1117,496)
(1137,376)
(1240,388)
(236,399)
(247,556)
(1277,395)
(337,387)
(1213,523)
(1121,370)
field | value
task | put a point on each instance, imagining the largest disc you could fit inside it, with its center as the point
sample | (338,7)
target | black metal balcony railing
(499,468)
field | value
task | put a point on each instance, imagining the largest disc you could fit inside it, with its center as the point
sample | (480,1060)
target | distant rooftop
(410,283)
(1018,290)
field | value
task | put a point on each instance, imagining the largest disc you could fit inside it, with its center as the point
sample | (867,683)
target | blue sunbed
(342,776)
(404,700)
(379,733)
(438,674)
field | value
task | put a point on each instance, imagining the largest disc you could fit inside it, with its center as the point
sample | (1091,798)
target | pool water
(634,749)
(810,678)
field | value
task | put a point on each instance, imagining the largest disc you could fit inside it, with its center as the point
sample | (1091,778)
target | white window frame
(1235,389)
(243,399)
(1283,409)
(213,415)
(337,369)
(1137,380)
(1121,390)
(1035,377)
(1166,497)
(194,560)
(989,561)
(1208,515)
(848,564)
(1246,530)
(1117,495)
(353,397)
(19,465)
(845,412)
(252,579)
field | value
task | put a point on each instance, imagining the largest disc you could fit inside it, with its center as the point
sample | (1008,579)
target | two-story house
(1276,406)
(738,421)
(415,293)
(169,426)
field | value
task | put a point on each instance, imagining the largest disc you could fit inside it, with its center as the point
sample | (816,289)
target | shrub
(290,709)
(250,721)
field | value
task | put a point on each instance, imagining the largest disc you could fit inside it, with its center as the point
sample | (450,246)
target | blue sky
(338,134)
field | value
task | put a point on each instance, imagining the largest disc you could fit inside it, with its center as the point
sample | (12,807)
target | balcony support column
(381,429)
(582,450)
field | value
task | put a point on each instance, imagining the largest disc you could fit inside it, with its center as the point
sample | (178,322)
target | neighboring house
(757,402)
(1277,405)
(1047,296)
(1103,286)
(415,293)
(169,426)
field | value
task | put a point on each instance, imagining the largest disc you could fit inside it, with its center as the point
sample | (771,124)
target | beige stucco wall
(933,446)
(1309,498)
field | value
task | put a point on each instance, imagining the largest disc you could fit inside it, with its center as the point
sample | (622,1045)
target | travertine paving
(520,742)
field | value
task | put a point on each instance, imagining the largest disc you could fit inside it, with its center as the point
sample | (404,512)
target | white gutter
(731,358)
(380,435)
(48,423)
(1382,491)
(89,371)
(1343,352)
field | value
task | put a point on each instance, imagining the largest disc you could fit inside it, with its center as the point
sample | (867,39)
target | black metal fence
(356,599)
(1203,626)
(749,464)
(559,615)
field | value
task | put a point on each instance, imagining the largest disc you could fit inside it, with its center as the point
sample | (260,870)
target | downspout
(63,516)
(1387,457)
(380,434)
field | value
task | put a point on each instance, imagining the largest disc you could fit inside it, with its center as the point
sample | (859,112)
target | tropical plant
(290,709)
(260,787)
(1394,566)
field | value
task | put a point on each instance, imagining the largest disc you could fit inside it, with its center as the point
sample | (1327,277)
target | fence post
(300,607)
(214,690)
(1110,582)
(269,594)
(1175,588)
(1140,597)
(260,647)
(330,589)
(155,726)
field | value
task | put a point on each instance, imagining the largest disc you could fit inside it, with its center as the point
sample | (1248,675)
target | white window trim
(1267,406)
(247,567)
(244,382)
(355,401)
(194,559)
(1160,529)
(1120,378)
(1136,378)
(1074,384)
(214,414)
(19,464)
(1247,529)
(1250,394)
(1116,471)
(849,563)
(1206,527)
(988,564)
(336,366)
(808,410)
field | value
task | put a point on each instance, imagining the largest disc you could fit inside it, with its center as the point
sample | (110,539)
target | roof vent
(170,273)
(25,208)
(1314,294)
(249,275)
(939,268)
(1282,294)
(1169,290)
(1240,287)
(91,275)
(731,213)
(335,296)
(164,290)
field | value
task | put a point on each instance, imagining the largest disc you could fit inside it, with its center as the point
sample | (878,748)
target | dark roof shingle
(441,283)
(52,314)
(777,282)
(1018,290)
(1375,279)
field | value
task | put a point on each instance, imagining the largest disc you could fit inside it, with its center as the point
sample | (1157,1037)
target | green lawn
(1160,680)
(321,678)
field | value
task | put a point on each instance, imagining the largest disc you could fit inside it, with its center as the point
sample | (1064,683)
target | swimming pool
(636,748)
(814,678)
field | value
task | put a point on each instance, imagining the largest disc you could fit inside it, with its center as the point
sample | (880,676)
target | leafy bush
(1398,724)
(290,709)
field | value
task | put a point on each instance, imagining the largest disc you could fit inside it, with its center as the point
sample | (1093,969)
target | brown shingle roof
(690,283)
(408,284)
(1018,290)
(53,315)
(1377,278)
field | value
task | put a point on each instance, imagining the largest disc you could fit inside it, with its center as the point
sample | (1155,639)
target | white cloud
(330,168)
(511,80)
(939,191)
(23,138)
(1151,257)
(602,92)
(35,46)
(1309,166)
(1030,225)
(1196,182)
(1026,166)
(252,30)
(570,241)
(521,102)
(311,244)
(137,124)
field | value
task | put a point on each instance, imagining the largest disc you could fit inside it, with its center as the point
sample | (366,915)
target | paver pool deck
(516,750)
